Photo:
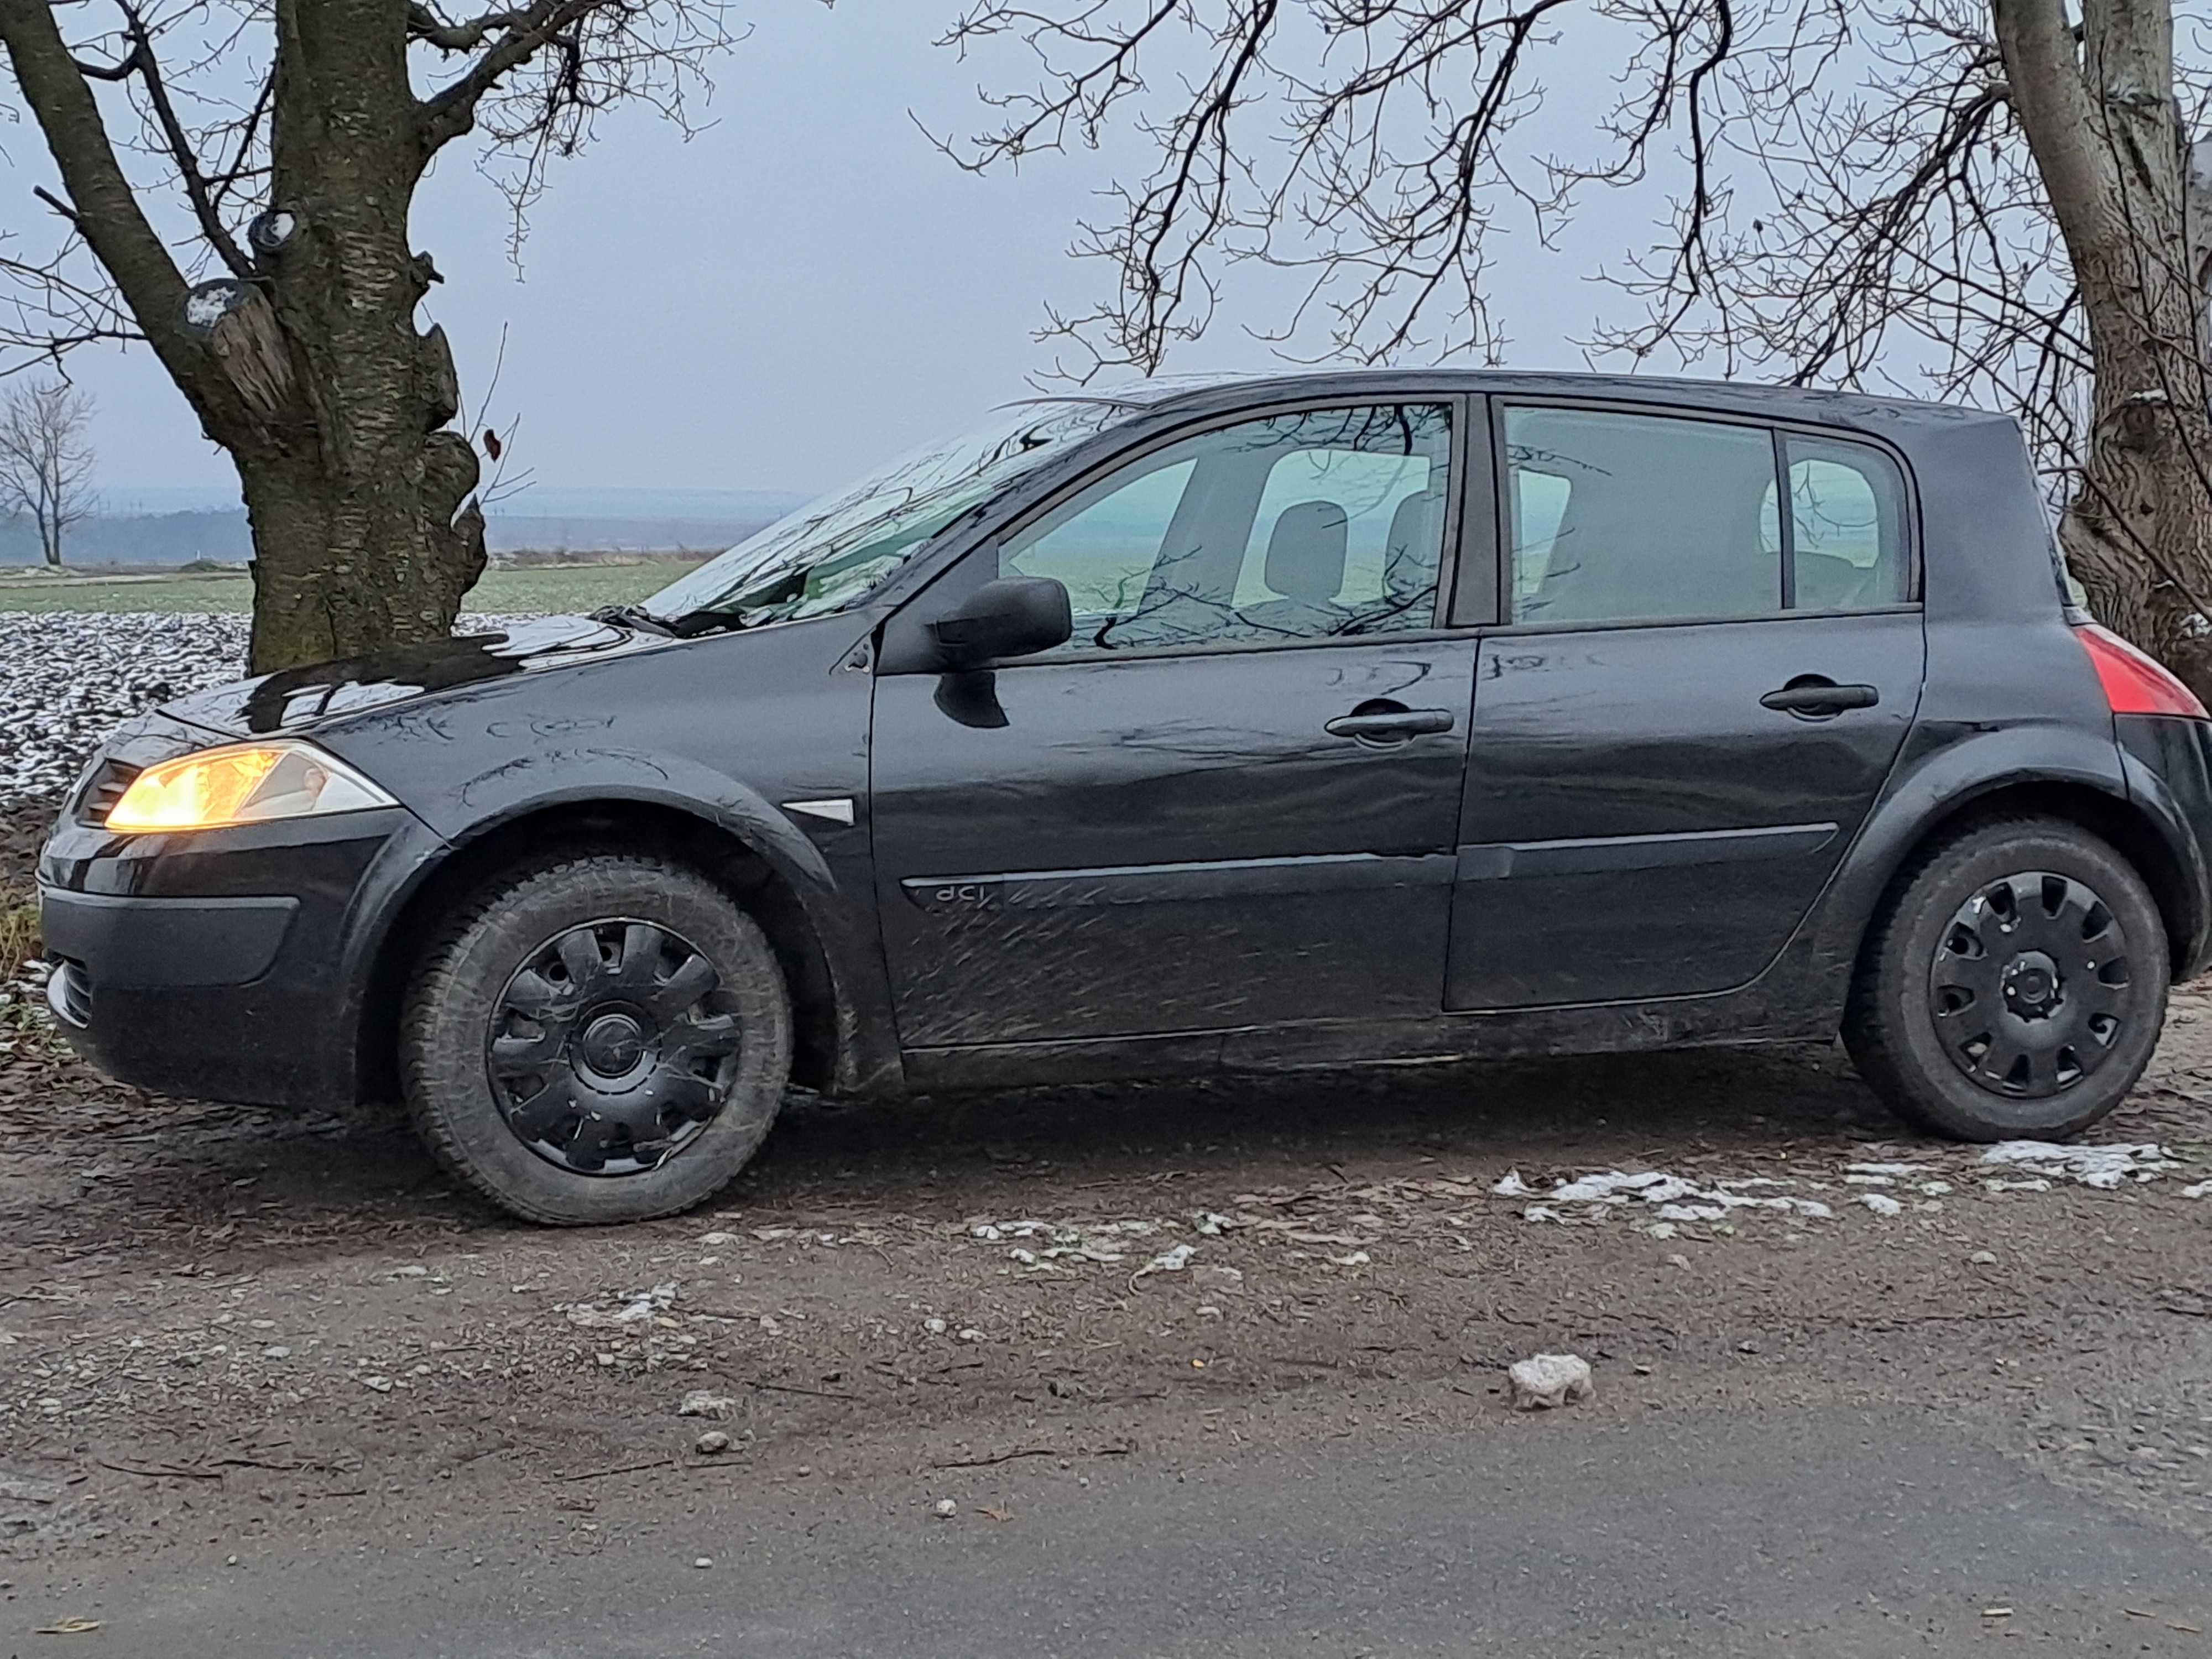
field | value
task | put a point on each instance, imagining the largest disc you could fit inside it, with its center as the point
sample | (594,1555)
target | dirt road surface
(1210,1370)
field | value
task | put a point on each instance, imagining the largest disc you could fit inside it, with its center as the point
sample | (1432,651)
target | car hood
(301,699)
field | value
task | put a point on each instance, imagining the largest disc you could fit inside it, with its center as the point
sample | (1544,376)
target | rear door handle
(1818,698)
(1389,724)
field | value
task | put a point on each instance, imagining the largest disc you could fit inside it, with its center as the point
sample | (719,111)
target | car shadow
(227,1185)
(1270,1128)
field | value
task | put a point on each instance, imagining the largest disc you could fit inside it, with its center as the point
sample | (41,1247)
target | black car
(1281,722)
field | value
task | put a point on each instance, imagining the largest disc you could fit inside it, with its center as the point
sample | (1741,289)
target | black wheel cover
(606,1051)
(2032,985)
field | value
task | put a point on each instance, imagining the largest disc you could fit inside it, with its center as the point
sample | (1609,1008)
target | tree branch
(2043,71)
(119,71)
(248,126)
(449,114)
(182,153)
(103,208)
(425,25)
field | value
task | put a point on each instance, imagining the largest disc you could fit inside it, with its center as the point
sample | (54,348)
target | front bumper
(225,964)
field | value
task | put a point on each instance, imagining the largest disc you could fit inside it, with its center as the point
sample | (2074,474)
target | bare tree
(46,464)
(235,181)
(1989,199)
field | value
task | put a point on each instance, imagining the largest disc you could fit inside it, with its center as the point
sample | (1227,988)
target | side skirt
(1735,1018)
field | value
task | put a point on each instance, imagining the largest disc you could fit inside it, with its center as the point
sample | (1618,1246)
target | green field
(555,589)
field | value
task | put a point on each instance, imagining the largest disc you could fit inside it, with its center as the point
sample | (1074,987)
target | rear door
(1710,658)
(1167,824)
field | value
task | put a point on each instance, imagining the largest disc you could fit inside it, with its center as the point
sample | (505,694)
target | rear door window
(1639,517)
(1615,518)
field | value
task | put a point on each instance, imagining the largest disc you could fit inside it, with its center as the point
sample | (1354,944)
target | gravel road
(224,1334)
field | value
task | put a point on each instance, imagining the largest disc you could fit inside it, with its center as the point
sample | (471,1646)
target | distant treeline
(180,537)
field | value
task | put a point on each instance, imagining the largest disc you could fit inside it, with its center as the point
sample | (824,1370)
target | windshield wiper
(692,623)
(633,615)
(754,602)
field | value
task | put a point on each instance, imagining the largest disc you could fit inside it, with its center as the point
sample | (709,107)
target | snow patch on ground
(1671,1198)
(1046,1244)
(626,1308)
(2105,1168)
(1885,1189)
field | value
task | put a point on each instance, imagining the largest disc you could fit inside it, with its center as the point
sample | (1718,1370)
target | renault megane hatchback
(1293,721)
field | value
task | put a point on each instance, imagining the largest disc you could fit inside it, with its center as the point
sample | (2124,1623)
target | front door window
(1323,524)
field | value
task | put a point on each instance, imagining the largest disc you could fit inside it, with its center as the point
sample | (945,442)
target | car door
(1710,658)
(1231,798)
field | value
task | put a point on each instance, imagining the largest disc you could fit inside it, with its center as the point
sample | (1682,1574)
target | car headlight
(241,783)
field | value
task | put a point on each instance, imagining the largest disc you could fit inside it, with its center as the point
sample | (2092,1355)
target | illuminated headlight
(241,783)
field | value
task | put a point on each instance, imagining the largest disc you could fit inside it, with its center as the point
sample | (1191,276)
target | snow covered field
(67,678)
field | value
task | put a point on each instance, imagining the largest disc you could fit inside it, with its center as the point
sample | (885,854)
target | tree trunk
(313,376)
(354,496)
(2101,120)
(373,556)
(2138,532)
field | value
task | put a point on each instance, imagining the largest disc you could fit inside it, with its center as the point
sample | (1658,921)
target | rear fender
(2182,816)
(1943,779)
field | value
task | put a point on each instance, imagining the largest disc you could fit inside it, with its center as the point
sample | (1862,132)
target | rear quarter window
(1849,546)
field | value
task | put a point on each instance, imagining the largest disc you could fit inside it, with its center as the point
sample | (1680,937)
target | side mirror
(1012,616)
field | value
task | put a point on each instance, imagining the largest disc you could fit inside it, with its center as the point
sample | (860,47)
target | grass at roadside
(19,926)
(546,588)
(28,1034)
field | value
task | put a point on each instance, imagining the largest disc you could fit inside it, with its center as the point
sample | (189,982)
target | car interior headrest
(1644,538)
(1409,563)
(1305,553)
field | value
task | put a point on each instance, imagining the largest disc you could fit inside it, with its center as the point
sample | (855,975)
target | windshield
(831,552)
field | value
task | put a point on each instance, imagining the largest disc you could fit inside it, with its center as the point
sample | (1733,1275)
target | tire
(1953,1018)
(556,1058)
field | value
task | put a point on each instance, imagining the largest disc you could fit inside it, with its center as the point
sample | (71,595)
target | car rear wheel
(2015,986)
(597,1038)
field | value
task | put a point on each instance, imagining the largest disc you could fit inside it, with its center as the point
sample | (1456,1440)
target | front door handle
(1388,722)
(1816,698)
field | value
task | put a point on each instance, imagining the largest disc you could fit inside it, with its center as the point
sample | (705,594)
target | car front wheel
(2016,985)
(597,1038)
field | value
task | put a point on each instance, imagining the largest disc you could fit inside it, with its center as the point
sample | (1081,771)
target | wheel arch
(2105,812)
(823,1025)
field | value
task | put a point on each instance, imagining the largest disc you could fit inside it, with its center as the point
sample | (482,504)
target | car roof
(1162,393)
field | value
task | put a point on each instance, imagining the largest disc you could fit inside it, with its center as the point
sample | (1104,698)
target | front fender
(485,805)
(721,731)
(838,914)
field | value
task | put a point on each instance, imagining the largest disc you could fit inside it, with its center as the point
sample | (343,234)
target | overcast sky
(795,293)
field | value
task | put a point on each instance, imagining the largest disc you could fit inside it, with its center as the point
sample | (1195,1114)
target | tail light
(2134,683)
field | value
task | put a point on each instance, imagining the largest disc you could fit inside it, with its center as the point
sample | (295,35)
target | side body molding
(1595,854)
